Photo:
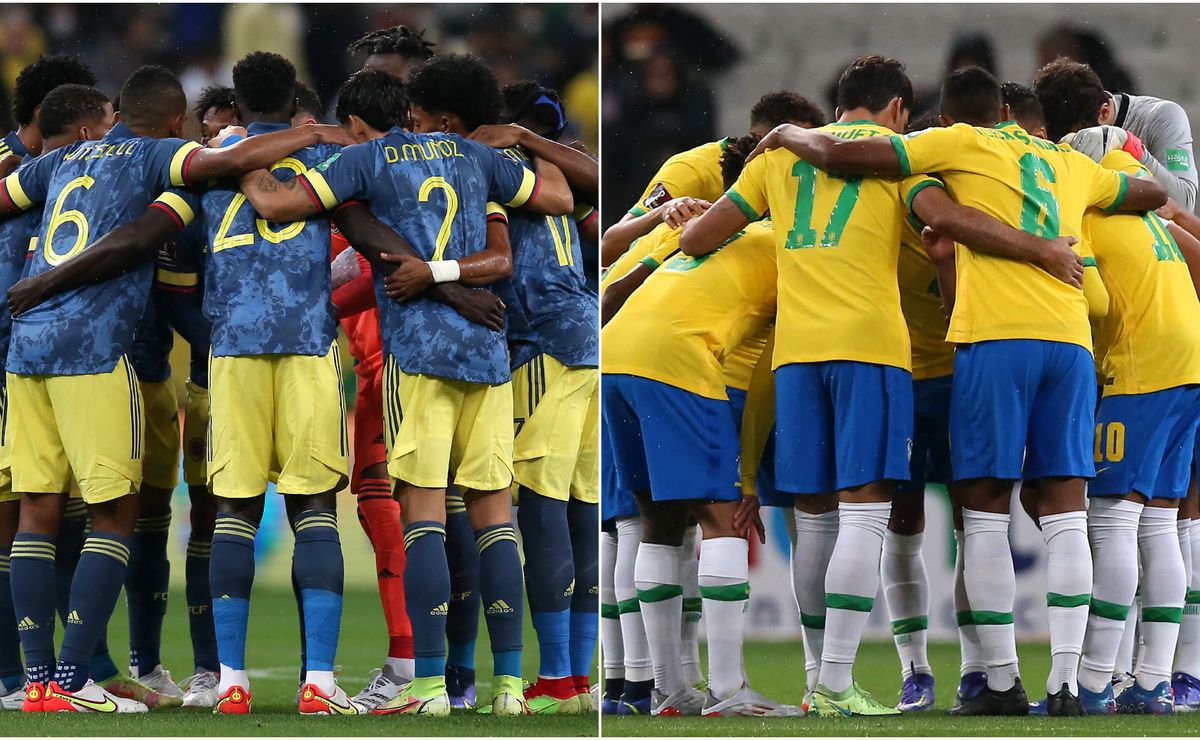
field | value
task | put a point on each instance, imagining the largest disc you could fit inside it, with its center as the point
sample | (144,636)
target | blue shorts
(1024,401)
(677,445)
(840,425)
(931,435)
(615,502)
(765,478)
(1145,442)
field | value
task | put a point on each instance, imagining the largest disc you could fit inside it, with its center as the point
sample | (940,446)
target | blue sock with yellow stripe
(94,591)
(230,578)
(146,586)
(427,595)
(31,574)
(584,523)
(549,575)
(318,569)
(199,602)
(462,620)
(11,672)
(500,586)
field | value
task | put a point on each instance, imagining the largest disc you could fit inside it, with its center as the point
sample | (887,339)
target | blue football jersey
(16,234)
(90,188)
(558,315)
(12,144)
(433,190)
(267,286)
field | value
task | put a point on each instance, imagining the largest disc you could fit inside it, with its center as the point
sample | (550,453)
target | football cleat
(1122,682)
(916,695)
(552,696)
(1186,689)
(13,700)
(385,685)
(313,701)
(627,706)
(160,682)
(200,689)
(748,703)
(35,694)
(991,703)
(234,701)
(128,687)
(89,699)
(460,686)
(687,702)
(1136,700)
(508,697)
(421,696)
(1097,702)
(1063,703)
(969,686)
(853,702)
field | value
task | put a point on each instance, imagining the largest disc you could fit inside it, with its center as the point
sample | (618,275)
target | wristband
(1133,145)
(444,271)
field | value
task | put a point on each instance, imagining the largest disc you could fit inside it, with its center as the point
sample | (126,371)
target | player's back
(694,172)
(680,325)
(267,285)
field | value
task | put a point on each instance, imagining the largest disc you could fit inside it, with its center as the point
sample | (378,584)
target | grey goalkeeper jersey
(1166,133)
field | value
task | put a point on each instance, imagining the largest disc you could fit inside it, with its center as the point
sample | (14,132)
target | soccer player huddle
(825,316)
(449,247)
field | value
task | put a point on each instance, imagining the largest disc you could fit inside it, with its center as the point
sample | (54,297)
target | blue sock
(585,600)
(230,577)
(103,667)
(462,622)
(548,575)
(500,587)
(146,586)
(318,570)
(199,603)
(94,591)
(299,598)
(71,534)
(427,594)
(11,670)
(32,571)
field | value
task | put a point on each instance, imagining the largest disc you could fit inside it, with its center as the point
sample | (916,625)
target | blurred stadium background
(676,76)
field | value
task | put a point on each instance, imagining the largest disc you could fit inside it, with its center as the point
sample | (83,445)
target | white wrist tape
(444,271)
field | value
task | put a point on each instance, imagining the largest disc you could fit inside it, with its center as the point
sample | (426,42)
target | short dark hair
(43,75)
(923,120)
(376,97)
(783,106)
(151,96)
(308,101)
(539,104)
(871,82)
(1024,105)
(395,40)
(214,96)
(67,105)
(972,95)
(457,83)
(733,159)
(265,82)
(1071,95)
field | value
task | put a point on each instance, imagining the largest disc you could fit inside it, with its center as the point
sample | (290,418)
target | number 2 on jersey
(443,236)
(802,234)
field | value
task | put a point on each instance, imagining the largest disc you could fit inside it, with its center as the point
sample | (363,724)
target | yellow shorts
(555,413)
(6,490)
(436,428)
(89,426)
(195,436)
(160,464)
(277,412)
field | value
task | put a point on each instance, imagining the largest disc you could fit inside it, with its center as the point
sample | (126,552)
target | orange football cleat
(234,701)
(35,695)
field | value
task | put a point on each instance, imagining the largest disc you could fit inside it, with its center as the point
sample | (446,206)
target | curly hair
(395,40)
(308,101)
(38,79)
(376,97)
(70,104)
(151,96)
(1071,95)
(460,84)
(265,83)
(214,96)
(733,158)
(785,106)
(538,104)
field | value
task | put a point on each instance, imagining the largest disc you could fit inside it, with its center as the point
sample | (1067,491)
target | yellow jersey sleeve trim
(746,209)
(321,189)
(179,160)
(901,153)
(908,201)
(1121,190)
(178,205)
(12,184)
(495,209)
(178,279)
(528,187)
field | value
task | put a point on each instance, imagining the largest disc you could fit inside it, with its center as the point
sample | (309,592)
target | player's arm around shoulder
(874,155)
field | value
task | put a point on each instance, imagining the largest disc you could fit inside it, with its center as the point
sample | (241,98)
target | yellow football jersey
(1030,184)
(695,173)
(739,363)
(687,317)
(837,246)
(1150,339)
(921,301)
(650,249)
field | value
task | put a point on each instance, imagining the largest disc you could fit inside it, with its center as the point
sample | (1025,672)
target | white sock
(968,639)
(816,534)
(690,631)
(611,646)
(633,630)
(725,588)
(323,680)
(1184,527)
(404,668)
(656,575)
(1162,594)
(850,588)
(1188,659)
(231,678)
(991,590)
(1068,594)
(1112,533)
(906,592)
(1129,640)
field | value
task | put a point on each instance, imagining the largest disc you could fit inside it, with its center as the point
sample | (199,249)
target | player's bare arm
(490,264)
(553,196)
(1143,194)
(704,234)
(618,293)
(940,249)
(262,151)
(581,170)
(869,156)
(278,201)
(620,235)
(988,235)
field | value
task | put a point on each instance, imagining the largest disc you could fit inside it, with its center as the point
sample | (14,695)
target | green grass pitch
(777,670)
(273,660)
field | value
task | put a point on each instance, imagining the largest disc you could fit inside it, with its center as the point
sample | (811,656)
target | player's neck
(31,138)
(57,142)
(862,114)
(270,118)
